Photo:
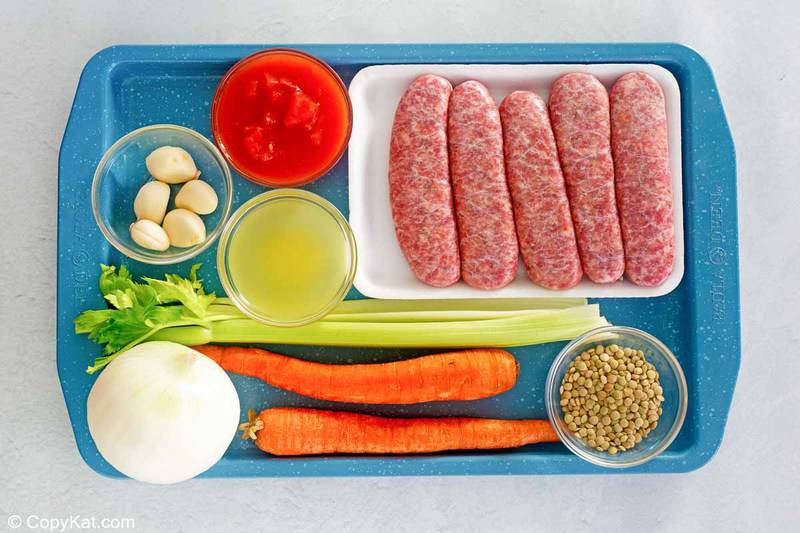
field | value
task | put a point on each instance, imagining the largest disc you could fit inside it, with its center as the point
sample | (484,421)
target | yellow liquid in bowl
(288,259)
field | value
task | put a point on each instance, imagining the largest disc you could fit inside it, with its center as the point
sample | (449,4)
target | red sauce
(281,117)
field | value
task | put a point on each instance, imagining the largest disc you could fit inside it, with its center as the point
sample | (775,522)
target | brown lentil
(614,397)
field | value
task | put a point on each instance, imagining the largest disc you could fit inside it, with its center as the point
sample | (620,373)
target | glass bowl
(261,208)
(671,379)
(219,135)
(122,171)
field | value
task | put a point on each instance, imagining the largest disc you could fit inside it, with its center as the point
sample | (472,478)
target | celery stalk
(556,325)
(178,309)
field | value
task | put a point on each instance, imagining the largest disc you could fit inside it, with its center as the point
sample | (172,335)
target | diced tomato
(277,97)
(273,89)
(301,111)
(316,136)
(269,119)
(289,84)
(281,117)
(270,81)
(251,91)
(258,145)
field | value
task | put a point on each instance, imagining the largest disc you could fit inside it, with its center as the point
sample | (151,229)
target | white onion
(162,412)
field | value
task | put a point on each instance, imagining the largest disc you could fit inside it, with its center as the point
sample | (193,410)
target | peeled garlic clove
(184,228)
(150,235)
(151,201)
(197,196)
(171,164)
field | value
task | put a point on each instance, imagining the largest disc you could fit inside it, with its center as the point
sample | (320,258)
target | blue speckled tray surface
(125,87)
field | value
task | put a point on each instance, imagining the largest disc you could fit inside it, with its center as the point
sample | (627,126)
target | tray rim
(672,56)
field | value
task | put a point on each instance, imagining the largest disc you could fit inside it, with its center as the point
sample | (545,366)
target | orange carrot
(301,431)
(464,375)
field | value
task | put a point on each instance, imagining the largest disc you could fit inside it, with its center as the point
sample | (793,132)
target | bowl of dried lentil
(616,396)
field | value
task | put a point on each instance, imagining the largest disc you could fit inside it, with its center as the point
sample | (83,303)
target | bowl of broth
(287,257)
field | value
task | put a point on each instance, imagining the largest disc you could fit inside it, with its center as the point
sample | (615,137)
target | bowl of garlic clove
(161,194)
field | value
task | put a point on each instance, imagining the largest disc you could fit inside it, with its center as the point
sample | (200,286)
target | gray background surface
(752,483)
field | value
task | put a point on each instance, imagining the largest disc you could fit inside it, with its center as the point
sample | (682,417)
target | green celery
(532,328)
(178,309)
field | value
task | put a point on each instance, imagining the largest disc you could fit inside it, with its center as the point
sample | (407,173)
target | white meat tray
(375,92)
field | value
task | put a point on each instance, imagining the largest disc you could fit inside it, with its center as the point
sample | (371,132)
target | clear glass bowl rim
(164,258)
(265,181)
(243,211)
(570,441)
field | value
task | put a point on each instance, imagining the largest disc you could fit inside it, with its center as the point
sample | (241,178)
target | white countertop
(752,483)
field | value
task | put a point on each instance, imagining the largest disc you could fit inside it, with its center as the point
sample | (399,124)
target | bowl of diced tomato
(281,117)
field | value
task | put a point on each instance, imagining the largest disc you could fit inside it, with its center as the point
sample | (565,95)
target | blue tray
(125,87)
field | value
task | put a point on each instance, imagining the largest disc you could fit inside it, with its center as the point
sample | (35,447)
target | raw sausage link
(579,111)
(541,210)
(419,182)
(644,183)
(488,242)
